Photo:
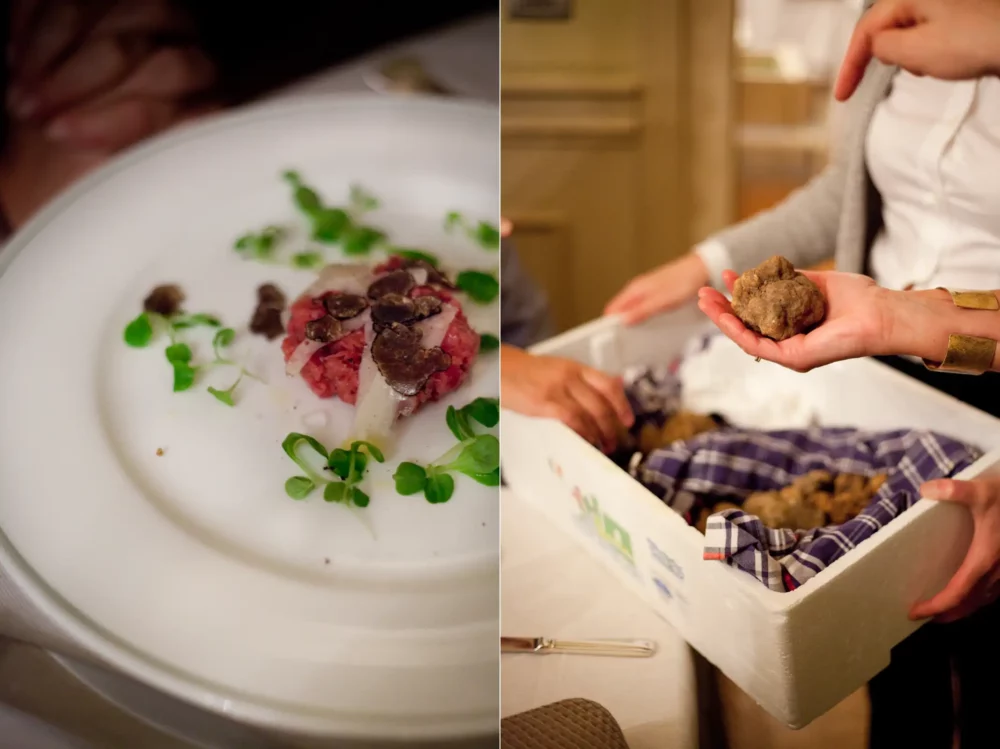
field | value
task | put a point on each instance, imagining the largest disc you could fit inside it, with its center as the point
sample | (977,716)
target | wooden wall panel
(617,120)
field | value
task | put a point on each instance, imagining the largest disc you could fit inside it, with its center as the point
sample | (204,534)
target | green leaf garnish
(348,466)
(139,332)
(481,287)
(184,375)
(410,478)
(476,455)
(329,225)
(488,342)
(427,257)
(361,240)
(439,488)
(299,487)
(334,492)
(480,455)
(483,232)
(307,260)
(192,321)
(362,200)
(487,235)
(486,479)
(458,424)
(259,245)
(453,220)
(178,353)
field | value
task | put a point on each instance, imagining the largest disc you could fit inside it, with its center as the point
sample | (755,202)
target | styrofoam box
(798,653)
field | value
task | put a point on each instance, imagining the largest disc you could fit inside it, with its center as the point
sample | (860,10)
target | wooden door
(617,148)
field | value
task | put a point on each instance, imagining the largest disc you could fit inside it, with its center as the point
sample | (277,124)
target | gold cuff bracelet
(968,354)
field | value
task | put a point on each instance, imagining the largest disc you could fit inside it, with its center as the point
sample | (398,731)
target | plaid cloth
(731,463)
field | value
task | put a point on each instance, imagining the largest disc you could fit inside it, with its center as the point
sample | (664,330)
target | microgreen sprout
(362,201)
(476,455)
(409,254)
(260,245)
(482,232)
(332,224)
(348,466)
(142,331)
(488,342)
(481,287)
(307,260)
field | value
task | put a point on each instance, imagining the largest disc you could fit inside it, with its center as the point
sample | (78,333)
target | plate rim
(107,648)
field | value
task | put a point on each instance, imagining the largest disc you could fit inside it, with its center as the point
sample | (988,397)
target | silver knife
(545,645)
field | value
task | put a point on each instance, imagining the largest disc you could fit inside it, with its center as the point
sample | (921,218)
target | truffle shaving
(394,282)
(403,361)
(164,300)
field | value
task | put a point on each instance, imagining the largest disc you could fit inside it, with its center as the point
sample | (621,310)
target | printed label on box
(665,560)
(598,525)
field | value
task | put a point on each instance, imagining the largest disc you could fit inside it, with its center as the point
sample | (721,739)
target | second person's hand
(664,288)
(589,402)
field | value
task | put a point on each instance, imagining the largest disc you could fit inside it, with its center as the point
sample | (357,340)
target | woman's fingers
(51,34)
(160,17)
(571,413)
(613,391)
(113,125)
(729,278)
(92,70)
(602,413)
(144,103)
(170,72)
(974,567)
(883,15)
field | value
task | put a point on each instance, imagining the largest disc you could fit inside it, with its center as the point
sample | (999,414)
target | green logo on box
(597,522)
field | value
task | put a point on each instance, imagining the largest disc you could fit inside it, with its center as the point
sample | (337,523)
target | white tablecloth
(552,588)
(465,59)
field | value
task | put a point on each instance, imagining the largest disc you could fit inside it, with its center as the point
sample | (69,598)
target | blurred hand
(858,323)
(589,402)
(946,39)
(661,289)
(103,74)
(977,581)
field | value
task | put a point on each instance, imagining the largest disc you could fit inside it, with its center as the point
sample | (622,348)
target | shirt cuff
(716,258)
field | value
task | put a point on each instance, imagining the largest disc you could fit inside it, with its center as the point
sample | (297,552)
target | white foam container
(799,653)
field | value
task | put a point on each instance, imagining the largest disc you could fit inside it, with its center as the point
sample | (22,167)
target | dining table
(552,587)
(52,693)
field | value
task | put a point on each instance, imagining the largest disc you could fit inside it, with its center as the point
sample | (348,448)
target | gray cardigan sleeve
(803,227)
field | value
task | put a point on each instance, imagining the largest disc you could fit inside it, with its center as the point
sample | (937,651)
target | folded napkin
(731,463)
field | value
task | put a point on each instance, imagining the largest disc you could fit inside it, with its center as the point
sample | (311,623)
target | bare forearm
(922,321)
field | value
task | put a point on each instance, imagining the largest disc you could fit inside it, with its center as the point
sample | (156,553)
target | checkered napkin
(732,463)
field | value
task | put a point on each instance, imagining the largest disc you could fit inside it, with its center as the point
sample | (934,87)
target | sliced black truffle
(393,308)
(426,306)
(324,330)
(345,306)
(434,276)
(266,319)
(403,362)
(164,300)
(271,295)
(396,282)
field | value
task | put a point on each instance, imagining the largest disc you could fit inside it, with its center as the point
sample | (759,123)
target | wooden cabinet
(617,141)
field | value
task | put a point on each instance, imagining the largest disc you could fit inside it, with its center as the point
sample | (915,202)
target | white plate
(192,570)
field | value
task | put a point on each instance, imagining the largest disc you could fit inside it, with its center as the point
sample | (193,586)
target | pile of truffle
(815,500)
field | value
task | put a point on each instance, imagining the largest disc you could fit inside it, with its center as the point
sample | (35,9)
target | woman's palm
(853,322)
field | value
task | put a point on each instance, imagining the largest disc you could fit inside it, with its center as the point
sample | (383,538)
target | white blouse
(933,152)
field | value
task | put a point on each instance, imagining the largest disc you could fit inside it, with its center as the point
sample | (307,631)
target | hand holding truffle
(798,320)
